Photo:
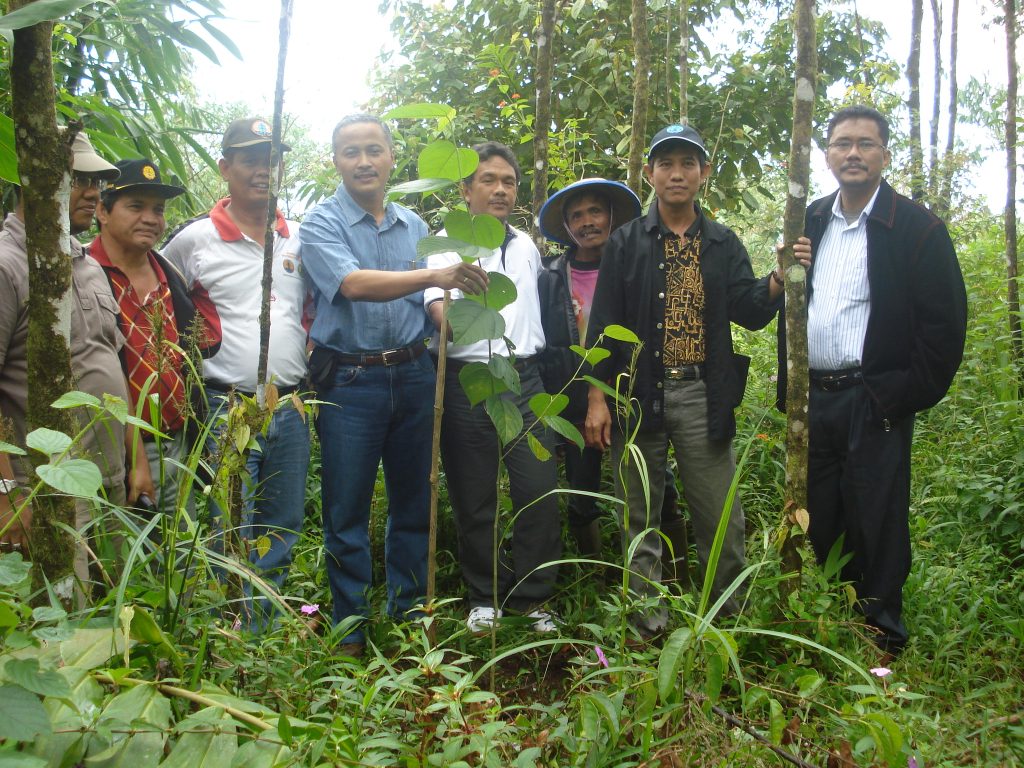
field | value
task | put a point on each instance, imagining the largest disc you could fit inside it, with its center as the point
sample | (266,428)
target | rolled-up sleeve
(327,256)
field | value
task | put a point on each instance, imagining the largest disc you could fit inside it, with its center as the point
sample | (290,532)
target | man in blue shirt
(369,368)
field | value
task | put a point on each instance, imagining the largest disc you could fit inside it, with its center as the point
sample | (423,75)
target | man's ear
(464,189)
(222,165)
(705,171)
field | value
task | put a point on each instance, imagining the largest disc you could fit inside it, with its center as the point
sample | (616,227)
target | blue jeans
(275,494)
(370,415)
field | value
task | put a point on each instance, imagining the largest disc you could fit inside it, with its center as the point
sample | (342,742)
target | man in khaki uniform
(95,342)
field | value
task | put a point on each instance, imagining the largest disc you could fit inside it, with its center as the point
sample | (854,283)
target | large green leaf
(75,477)
(671,659)
(543,404)
(262,754)
(472,322)
(13,569)
(12,449)
(501,292)
(144,748)
(75,399)
(479,383)
(591,356)
(22,716)
(8,154)
(565,428)
(483,230)
(541,452)
(417,187)
(428,246)
(443,160)
(620,333)
(40,10)
(20,760)
(422,111)
(507,420)
(48,442)
(91,646)
(503,368)
(45,682)
(207,741)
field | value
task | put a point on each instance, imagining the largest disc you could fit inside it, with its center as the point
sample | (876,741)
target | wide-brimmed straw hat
(625,206)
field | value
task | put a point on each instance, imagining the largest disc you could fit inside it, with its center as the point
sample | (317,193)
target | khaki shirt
(95,343)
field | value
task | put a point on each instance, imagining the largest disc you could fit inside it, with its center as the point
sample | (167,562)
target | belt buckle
(389,353)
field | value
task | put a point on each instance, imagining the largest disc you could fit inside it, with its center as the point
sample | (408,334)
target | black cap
(681,133)
(142,174)
(248,132)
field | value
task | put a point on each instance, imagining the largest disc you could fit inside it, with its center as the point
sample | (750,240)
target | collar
(98,252)
(837,207)
(229,231)
(653,221)
(354,213)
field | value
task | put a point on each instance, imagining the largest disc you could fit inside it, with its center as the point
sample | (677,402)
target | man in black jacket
(581,216)
(886,324)
(677,279)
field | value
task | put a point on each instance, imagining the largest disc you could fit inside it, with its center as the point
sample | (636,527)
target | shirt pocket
(106,319)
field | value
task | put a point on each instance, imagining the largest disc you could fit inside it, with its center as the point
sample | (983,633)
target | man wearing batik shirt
(677,279)
(221,256)
(156,315)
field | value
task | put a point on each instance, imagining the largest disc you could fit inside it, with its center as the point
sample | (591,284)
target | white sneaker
(482,618)
(543,621)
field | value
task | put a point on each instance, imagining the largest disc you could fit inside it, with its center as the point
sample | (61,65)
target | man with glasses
(886,323)
(95,343)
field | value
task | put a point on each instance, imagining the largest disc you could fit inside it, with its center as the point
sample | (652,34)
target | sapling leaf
(501,292)
(76,399)
(443,160)
(45,682)
(565,428)
(591,356)
(427,246)
(483,229)
(49,442)
(507,420)
(479,383)
(472,322)
(12,449)
(75,477)
(420,111)
(543,404)
(542,453)
(501,367)
(620,333)
(417,187)
(22,716)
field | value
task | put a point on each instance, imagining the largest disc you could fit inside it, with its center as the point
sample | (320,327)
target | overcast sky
(335,42)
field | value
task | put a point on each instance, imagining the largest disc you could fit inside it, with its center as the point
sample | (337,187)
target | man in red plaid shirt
(159,320)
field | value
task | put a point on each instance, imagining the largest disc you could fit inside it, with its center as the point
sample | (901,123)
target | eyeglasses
(864,146)
(86,180)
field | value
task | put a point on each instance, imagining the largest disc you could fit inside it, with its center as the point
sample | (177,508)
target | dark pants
(859,487)
(471,453)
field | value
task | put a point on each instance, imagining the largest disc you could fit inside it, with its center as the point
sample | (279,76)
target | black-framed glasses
(864,146)
(86,180)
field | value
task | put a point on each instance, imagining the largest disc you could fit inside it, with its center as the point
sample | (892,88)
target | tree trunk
(44,161)
(641,95)
(933,128)
(542,125)
(795,508)
(275,189)
(942,204)
(1010,214)
(914,80)
(684,61)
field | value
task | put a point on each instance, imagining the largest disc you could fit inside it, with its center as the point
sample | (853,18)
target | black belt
(388,357)
(835,381)
(685,372)
(220,386)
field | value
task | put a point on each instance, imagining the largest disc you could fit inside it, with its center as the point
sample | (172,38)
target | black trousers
(859,487)
(530,535)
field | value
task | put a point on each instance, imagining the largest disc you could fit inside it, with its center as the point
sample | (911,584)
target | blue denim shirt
(338,237)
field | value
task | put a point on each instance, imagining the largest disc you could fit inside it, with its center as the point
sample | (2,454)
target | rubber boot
(588,539)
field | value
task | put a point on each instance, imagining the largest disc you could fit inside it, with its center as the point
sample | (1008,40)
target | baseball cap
(85,159)
(625,206)
(142,174)
(248,132)
(676,132)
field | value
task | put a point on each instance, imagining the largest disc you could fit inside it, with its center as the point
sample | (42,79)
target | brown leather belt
(388,357)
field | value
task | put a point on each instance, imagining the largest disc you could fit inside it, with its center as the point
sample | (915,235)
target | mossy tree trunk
(641,95)
(44,162)
(917,185)
(1010,211)
(542,124)
(795,509)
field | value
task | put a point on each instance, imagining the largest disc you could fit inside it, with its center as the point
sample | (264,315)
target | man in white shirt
(470,446)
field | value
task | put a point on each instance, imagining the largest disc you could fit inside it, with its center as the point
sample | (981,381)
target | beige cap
(86,160)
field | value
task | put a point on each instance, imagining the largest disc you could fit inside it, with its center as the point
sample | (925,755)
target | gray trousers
(706,468)
(471,453)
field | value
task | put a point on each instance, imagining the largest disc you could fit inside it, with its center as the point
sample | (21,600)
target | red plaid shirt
(151,343)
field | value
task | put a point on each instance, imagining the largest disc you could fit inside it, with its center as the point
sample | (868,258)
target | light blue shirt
(338,237)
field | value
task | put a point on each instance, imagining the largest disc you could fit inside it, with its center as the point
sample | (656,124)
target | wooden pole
(435,454)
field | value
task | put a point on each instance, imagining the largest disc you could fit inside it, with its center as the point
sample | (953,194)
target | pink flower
(911,762)
(601,657)
(881,671)
(309,610)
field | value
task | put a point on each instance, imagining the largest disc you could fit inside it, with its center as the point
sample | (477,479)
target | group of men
(886,327)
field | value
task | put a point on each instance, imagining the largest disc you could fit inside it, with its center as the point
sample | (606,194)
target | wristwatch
(6,486)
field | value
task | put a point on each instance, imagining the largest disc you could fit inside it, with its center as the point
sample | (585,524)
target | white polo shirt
(520,262)
(225,267)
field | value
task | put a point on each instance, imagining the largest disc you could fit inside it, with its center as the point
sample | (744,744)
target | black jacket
(558,363)
(918,321)
(631,292)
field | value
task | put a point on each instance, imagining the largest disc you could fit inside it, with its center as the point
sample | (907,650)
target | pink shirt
(582,283)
